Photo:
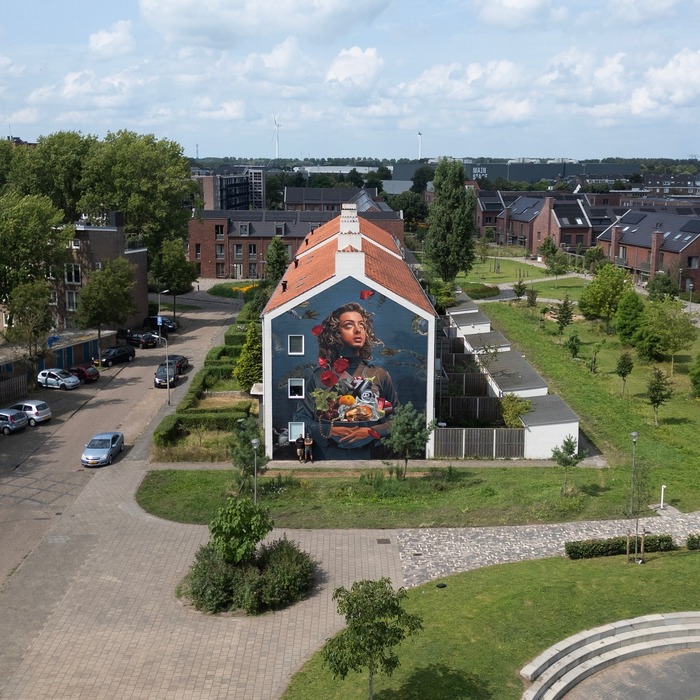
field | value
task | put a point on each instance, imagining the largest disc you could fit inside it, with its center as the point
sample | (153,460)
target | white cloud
(30,115)
(516,13)
(225,22)
(117,41)
(677,82)
(228,110)
(641,11)
(355,66)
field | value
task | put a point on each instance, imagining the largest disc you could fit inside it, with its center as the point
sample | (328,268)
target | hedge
(693,542)
(612,546)
(167,431)
(224,420)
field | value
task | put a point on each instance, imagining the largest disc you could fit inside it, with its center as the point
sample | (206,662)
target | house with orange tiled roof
(348,337)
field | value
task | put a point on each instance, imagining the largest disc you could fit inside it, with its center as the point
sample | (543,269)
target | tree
(531,296)
(31,319)
(32,240)
(243,454)
(512,407)
(564,313)
(106,297)
(567,455)
(557,264)
(548,248)
(374,179)
(414,208)
(573,344)
(624,368)
(482,249)
(146,179)
(593,364)
(659,391)
(174,271)
(449,246)
(277,262)
(629,313)
(421,178)
(375,624)
(354,179)
(664,329)
(237,528)
(248,369)
(519,288)
(661,287)
(694,374)
(409,434)
(601,297)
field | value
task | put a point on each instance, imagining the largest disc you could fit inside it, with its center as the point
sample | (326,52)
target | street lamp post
(167,364)
(635,486)
(256,443)
(634,436)
(690,297)
(165,291)
(680,274)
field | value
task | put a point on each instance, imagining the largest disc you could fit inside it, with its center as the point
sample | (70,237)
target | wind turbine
(276,136)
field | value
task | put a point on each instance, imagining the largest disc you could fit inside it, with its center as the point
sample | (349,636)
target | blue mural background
(402,352)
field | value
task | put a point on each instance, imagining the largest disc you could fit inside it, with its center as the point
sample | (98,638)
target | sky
(360,78)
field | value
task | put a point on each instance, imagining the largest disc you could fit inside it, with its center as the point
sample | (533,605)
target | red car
(86,373)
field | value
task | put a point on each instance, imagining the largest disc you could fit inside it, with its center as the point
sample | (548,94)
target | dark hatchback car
(166,325)
(180,361)
(112,356)
(166,375)
(86,373)
(143,340)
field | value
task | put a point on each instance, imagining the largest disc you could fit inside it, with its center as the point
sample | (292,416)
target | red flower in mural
(373,433)
(366,294)
(341,364)
(328,378)
(317,330)
(322,362)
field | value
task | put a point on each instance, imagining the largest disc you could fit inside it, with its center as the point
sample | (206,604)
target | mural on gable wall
(342,363)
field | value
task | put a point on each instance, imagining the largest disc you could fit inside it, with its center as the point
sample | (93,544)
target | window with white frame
(71,300)
(244,228)
(295,345)
(98,265)
(218,231)
(279,229)
(74,244)
(238,251)
(53,298)
(197,251)
(72,273)
(219,251)
(295,388)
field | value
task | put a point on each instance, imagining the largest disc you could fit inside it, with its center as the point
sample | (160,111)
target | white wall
(540,440)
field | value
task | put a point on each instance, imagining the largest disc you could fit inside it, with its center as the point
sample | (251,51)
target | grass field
(485,625)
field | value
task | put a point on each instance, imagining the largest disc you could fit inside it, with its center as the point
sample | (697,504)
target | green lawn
(557,289)
(510,271)
(444,498)
(487,624)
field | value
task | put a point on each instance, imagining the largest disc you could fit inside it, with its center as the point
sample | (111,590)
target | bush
(210,582)
(167,432)
(612,546)
(279,576)
(693,542)
(223,420)
(481,291)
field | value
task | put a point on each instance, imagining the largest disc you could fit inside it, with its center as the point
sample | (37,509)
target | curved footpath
(91,613)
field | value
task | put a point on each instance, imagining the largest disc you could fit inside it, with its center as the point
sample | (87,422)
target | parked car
(36,411)
(102,449)
(85,373)
(143,340)
(167,325)
(180,361)
(112,356)
(57,379)
(166,373)
(12,420)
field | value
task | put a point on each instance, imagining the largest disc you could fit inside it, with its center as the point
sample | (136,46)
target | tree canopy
(174,271)
(277,262)
(449,246)
(601,297)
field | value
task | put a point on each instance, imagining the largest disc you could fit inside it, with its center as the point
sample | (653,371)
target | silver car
(57,379)
(102,449)
(36,411)
(12,421)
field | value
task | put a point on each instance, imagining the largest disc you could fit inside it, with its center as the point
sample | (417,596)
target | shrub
(481,291)
(693,542)
(612,546)
(210,582)
(167,432)
(287,574)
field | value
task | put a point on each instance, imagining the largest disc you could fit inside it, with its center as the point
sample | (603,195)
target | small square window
(295,345)
(295,388)
(244,229)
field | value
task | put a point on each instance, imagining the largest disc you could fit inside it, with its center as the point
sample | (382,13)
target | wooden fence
(479,443)
(465,409)
(13,388)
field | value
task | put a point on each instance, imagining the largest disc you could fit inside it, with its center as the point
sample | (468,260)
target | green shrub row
(612,546)
(693,542)
(220,354)
(279,575)
(223,420)
(167,431)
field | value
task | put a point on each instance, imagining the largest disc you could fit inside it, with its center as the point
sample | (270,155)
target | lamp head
(635,435)
(255,443)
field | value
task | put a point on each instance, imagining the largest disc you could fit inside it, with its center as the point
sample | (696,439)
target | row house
(647,243)
(233,244)
(672,185)
(241,188)
(331,199)
(528,221)
(92,245)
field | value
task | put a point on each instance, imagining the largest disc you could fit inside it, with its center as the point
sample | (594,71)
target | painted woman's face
(352,329)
